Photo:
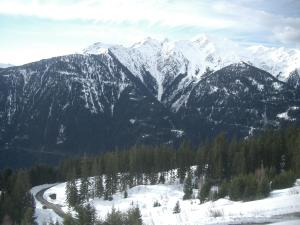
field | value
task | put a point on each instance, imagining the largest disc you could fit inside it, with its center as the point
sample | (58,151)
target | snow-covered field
(280,202)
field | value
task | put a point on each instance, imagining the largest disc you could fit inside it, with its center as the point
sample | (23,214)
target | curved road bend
(56,208)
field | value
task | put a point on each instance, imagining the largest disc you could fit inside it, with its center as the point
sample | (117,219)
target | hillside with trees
(244,169)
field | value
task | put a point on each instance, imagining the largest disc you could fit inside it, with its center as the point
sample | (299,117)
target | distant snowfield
(280,202)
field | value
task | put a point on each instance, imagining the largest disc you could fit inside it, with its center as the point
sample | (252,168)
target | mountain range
(153,92)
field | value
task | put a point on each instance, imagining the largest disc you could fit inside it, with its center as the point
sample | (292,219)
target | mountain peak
(148,41)
(98,48)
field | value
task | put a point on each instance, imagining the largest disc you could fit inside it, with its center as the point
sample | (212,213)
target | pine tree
(153,178)
(134,217)
(71,189)
(125,194)
(98,189)
(218,161)
(28,218)
(108,188)
(68,220)
(296,155)
(86,215)
(177,208)
(188,187)
(204,192)
(162,178)
(181,174)
(115,217)
(85,183)
(20,195)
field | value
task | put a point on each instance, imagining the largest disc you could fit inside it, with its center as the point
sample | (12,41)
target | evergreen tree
(125,194)
(108,188)
(85,183)
(204,192)
(296,155)
(239,163)
(20,195)
(218,163)
(237,187)
(176,208)
(181,174)
(115,217)
(68,220)
(98,188)
(162,178)
(86,215)
(188,187)
(134,217)
(153,176)
(232,149)
(71,190)
(28,218)
(263,188)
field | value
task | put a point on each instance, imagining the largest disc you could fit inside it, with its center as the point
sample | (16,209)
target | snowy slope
(279,203)
(166,60)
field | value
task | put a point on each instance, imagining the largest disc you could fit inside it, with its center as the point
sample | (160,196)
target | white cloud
(78,23)
(288,35)
(275,26)
(164,12)
(236,16)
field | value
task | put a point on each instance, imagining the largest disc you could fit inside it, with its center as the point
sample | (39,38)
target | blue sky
(36,29)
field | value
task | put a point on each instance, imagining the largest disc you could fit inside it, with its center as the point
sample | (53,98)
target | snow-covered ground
(280,202)
(44,215)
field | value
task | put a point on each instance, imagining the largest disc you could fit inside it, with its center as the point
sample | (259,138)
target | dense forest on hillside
(241,169)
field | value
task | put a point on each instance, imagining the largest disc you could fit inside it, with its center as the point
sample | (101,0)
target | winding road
(55,207)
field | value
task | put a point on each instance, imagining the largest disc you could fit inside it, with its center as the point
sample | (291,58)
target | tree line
(242,169)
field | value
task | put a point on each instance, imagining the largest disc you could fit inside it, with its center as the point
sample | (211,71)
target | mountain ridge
(93,102)
(188,62)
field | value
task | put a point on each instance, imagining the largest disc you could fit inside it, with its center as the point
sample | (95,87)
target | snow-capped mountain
(187,62)
(152,92)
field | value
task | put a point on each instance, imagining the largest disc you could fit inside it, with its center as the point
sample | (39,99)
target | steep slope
(78,103)
(238,99)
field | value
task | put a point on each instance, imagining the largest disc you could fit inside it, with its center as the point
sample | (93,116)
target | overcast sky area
(36,29)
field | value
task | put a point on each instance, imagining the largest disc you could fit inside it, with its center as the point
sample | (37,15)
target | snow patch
(178,133)
(132,121)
